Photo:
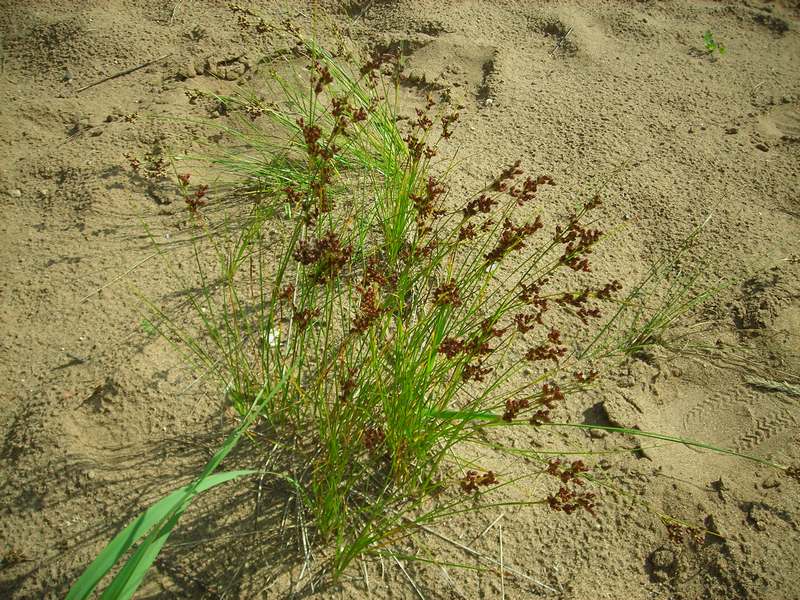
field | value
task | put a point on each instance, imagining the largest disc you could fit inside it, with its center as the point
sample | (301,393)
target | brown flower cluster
(348,384)
(548,397)
(481,204)
(678,532)
(569,500)
(374,280)
(374,438)
(477,345)
(589,377)
(427,205)
(370,70)
(593,203)
(524,322)
(475,372)
(322,156)
(514,407)
(447,123)
(551,350)
(195,200)
(345,114)
(474,480)
(578,300)
(154,166)
(447,294)
(530,294)
(566,471)
(326,255)
(370,309)
(512,238)
(501,182)
(293,197)
(243,16)
(579,241)
(467,232)
(570,495)
(303,317)
(421,125)
(320,77)
(452,347)
(608,290)
(522,193)
(526,192)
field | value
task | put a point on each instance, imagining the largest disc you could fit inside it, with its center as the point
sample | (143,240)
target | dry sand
(96,420)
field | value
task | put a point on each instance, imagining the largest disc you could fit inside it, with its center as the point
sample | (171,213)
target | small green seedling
(712,44)
(148,327)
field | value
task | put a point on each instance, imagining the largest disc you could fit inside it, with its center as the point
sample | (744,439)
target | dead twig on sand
(774,386)
(560,42)
(411,581)
(174,10)
(472,552)
(122,73)
(502,571)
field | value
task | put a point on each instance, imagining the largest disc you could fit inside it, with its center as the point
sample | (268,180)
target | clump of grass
(370,328)
(389,306)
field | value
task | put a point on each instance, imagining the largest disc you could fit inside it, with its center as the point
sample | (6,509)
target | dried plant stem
(488,527)
(560,42)
(502,569)
(480,556)
(122,73)
(410,580)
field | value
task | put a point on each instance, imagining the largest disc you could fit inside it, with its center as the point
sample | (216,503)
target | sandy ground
(98,418)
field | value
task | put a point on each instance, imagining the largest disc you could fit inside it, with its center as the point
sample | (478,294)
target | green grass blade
(668,438)
(166,511)
(138,529)
(135,569)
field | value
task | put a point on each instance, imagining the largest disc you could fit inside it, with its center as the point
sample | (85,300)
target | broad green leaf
(139,528)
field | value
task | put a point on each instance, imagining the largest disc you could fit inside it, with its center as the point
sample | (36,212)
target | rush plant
(372,328)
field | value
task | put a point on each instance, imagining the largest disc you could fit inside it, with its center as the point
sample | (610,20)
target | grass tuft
(372,328)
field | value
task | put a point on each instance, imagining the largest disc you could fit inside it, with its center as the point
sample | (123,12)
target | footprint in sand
(781,123)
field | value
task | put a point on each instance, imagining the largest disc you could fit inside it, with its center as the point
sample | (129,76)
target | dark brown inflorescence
(474,480)
(512,238)
(500,184)
(589,377)
(579,241)
(547,399)
(679,532)
(304,317)
(513,408)
(373,438)
(551,350)
(569,500)
(526,192)
(447,294)
(326,256)
(370,309)
(481,204)
(570,495)
(197,200)
(475,372)
(427,205)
